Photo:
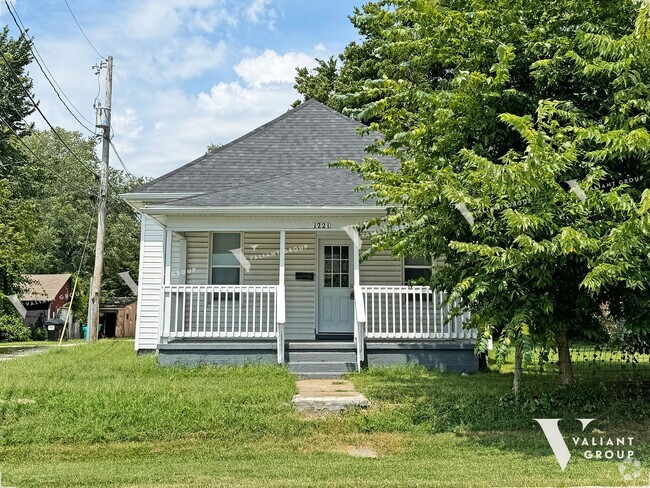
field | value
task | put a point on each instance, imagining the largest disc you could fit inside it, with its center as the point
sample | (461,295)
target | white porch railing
(359,325)
(410,312)
(220,311)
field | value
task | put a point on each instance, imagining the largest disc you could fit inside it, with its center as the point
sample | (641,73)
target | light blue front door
(335,307)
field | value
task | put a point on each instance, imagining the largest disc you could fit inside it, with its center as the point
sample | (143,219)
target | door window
(337,266)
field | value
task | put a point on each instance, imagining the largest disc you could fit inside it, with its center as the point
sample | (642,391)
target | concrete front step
(321,367)
(321,359)
(319,376)
(320,396)
(321,346)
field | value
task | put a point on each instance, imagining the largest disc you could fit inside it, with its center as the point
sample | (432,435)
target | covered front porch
(236,292)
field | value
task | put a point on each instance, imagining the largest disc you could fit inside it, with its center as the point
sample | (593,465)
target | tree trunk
(564,355)
(519,357)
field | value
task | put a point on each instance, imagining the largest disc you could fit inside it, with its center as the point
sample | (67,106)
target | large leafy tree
(65,201)
(16,215)
(492,107)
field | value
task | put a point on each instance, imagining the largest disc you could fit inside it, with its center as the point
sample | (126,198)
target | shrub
(38,333)
(13,329)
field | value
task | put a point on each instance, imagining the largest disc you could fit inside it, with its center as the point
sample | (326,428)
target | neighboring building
(117,317)
(44,295)
(247,256)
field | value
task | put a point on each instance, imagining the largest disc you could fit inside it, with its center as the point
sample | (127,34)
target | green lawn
(97,415)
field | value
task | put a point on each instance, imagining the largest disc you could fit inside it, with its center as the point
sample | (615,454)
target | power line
(81,29)
(43,67)
(38,109)
(52,81)
(120,160)
(54,131)
(63,179)
(20,139)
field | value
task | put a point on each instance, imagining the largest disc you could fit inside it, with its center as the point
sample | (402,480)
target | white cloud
(129,127)
(235,99)
(181,129)
(168,100)
(271,67)
(320,47)
(182,59)
(260,10)
(154,19)
(210,20)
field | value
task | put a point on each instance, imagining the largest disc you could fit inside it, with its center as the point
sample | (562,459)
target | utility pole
(104,122)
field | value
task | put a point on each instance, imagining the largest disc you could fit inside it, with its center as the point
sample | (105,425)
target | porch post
(168,256)
(280,301)
(359,311)
(165,294)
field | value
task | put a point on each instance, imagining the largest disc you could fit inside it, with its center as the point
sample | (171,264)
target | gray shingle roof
(283,163)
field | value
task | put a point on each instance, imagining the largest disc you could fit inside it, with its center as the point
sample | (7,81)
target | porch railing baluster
(420,315)
(231,317)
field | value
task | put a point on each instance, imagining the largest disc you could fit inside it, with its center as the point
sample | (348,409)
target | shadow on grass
(415,399)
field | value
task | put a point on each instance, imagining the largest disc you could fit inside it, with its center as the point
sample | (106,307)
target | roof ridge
(270,123)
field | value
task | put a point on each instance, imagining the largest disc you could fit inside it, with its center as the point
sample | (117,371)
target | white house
(247,255)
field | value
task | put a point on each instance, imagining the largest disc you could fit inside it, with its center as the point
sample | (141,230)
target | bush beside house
(13,329)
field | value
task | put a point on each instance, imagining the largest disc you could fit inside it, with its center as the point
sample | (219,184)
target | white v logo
(554,437)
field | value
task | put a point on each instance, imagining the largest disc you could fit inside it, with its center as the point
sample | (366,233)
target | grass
(588,360)
(98,415)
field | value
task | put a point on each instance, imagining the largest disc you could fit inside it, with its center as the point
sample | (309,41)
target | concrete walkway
(327,395)
(18,352)
(15,352)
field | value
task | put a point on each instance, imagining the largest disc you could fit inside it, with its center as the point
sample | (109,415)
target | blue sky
(187,73)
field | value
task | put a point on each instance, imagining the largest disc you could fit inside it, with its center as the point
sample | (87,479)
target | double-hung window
(416,270)
(225,268)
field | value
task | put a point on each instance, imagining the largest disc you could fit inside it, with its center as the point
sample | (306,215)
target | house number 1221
(322,225)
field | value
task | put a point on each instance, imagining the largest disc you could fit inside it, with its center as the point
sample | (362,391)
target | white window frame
(414,266)
(223,266)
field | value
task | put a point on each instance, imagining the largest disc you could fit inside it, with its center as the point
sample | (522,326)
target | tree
(317,83)
(212,148)
(65,203)
(16,217)
(491,108)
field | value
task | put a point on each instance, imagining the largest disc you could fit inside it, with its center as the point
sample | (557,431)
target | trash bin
(54,328)
(84,328)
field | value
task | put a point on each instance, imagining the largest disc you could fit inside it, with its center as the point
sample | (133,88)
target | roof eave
(263,210)
(139,200)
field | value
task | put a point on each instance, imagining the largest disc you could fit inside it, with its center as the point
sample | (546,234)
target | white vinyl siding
(300,295)
(177,275)
(381,269)
(198,258)
(150,280)
(262,251)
